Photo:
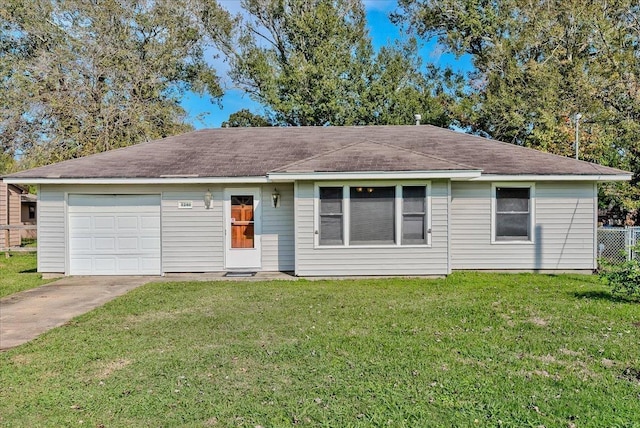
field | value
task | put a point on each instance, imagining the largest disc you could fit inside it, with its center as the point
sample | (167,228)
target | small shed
(17,208)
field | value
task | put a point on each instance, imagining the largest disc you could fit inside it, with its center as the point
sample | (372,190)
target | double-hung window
(380,215)
(331,223)
(414,215)
(513,213)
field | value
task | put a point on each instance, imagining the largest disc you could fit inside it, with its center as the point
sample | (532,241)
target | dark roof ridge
(426,155)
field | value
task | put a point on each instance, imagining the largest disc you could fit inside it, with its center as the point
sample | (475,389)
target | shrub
(623,278)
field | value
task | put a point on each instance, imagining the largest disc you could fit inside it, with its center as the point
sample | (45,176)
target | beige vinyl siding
(563,231)
(10,214)
(4,210)
(51,214)
(396,260)
(192,239)
(277,229)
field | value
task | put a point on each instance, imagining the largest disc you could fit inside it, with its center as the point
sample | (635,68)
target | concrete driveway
(26,315)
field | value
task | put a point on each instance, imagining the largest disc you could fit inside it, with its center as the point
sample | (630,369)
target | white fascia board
(159,180)
(558,177)
(391,175)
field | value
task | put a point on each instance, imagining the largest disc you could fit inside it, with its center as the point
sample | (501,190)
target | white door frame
(243,258)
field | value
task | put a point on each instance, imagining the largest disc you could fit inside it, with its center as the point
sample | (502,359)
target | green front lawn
(469,350)
(18,272)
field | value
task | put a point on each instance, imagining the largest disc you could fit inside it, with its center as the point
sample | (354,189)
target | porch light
(275,198)
(207,199)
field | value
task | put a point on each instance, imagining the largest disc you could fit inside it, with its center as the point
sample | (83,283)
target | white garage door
(114,234)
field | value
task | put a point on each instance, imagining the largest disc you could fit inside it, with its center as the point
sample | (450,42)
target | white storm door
(243,229)
(114,234)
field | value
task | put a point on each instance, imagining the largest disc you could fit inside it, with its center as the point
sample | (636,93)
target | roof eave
(139,180)
(373,175)
(554,177)
(455,175)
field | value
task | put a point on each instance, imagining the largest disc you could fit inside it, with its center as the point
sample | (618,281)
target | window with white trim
(414,215)
(373,215)
(331,229)
(512,220)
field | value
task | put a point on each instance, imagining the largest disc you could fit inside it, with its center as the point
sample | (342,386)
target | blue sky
(203,113)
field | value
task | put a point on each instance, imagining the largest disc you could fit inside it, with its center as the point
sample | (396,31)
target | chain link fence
(615,244)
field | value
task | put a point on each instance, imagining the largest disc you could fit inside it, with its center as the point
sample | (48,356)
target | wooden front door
(243,229)
(242,222)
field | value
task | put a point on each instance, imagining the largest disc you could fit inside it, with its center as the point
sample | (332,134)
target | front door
(243,229)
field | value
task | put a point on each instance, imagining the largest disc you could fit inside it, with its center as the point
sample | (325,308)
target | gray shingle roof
(238,152)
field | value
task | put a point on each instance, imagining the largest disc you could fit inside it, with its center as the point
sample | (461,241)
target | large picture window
(366,215)
(372,215)
(512,214)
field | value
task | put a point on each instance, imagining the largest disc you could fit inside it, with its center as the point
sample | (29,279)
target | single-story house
(317,201)
(17,208)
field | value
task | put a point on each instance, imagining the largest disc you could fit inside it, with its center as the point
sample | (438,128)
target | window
(331,229)
(512,214)
(32,212)
(414,215)
(365,215)
(372,215)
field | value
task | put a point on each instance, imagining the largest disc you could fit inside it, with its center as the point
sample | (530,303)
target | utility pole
(578,117)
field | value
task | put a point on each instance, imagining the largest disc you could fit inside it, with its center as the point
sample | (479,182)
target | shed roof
(255,152)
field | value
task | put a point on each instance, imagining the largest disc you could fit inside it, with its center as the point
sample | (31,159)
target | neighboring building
(388,200)
(17,208)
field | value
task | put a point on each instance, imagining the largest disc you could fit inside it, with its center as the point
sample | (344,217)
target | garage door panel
(114,234)
(81,266)
(105,244)
(104,223)
(150,264)
(150,244)
(104,265)
(127,223)
(79,222)
(128,265)
(150,222)
(128,244)
(82,244)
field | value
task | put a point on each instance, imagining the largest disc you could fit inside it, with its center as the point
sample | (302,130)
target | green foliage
(7,163)
(311,62)
(502,350)
(83,77)
(623,278)
(244,118)
(537,65)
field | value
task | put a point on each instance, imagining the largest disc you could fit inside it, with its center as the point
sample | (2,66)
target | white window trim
(346,212)
(532,211)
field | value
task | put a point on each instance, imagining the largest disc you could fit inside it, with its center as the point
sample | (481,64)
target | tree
(244,118)
(537,64)
(83,77)
(311,62)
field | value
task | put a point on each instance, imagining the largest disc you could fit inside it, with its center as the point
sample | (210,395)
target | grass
(469,350)
(18,273)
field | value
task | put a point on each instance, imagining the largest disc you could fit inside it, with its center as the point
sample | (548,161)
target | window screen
(372,215)
(331,232)
(513,214)
(414,218)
